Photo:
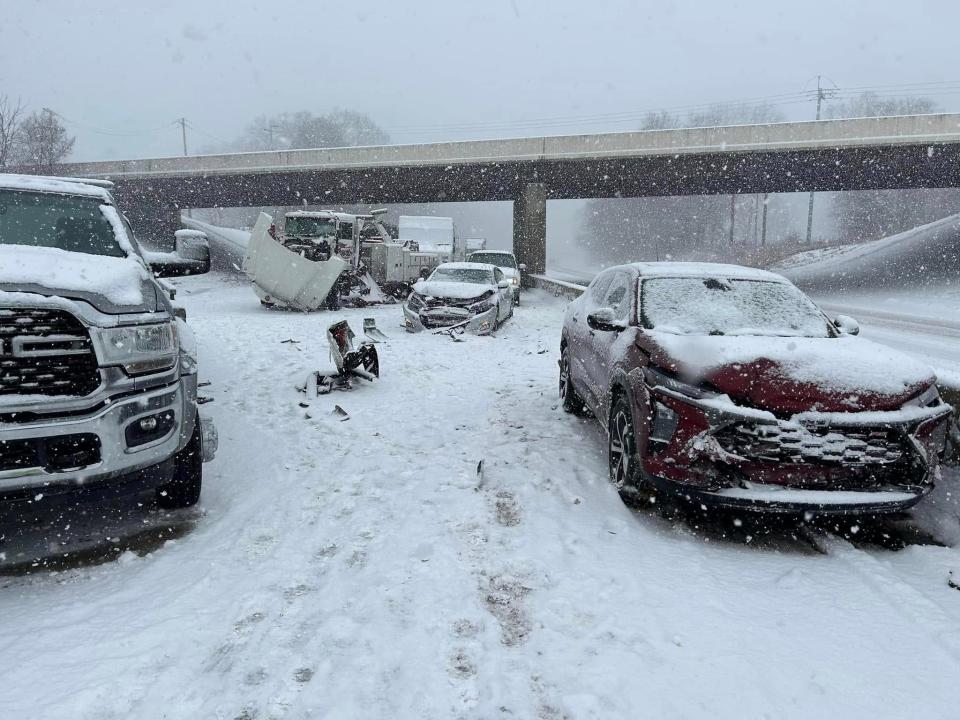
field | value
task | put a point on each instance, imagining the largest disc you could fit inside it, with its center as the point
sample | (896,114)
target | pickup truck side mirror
(606,320)
(191,256)
(846,325)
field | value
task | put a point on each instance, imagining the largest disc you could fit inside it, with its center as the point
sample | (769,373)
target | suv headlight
(515,280)
(140,349)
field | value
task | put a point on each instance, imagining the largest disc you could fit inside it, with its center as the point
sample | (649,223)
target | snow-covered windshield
(310,227)
(68,222)
(717,306)
(465,275)
(499,259)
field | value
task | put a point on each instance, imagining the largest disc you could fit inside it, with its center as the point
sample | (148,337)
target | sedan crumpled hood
(455,290)
(793,374)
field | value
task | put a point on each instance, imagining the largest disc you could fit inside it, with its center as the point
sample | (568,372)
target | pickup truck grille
(45,351)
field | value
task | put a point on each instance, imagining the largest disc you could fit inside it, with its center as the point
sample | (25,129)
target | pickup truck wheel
(571,401)
(624,459)
(184,490)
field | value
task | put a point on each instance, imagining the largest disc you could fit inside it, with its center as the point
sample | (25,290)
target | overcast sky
(445,69)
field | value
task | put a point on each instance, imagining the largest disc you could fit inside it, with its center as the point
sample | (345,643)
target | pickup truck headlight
(141,349)
(515,280)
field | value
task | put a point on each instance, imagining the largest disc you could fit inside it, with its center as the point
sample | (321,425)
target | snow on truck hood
(794,374)
(447,289)
(119,280)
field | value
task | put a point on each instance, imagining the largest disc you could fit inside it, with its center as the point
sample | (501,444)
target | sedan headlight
(140,349)
(415,301)
(484,302)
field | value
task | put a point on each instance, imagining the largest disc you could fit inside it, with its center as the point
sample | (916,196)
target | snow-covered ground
(365,568)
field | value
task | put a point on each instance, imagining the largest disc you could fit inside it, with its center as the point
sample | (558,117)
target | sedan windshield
(502,260)
(310,227)
(67,222)
(716,306)
(464,275)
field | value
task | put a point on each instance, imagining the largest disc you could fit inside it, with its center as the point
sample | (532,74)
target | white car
(476,296)
(505,260)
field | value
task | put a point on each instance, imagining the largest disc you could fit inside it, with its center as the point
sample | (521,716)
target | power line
(101,131)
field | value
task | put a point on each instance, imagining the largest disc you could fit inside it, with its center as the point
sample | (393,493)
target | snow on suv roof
(64,186)
(491,252)
(695,269)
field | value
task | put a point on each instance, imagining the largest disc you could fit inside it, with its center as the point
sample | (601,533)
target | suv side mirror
(846,325)
(605,319)
(191,256)
(503,284)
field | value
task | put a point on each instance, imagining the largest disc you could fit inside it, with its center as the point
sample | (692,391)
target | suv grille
(792,443)
(45,352)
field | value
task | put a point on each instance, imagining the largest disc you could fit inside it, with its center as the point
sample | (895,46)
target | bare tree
(10,113)
(292,131)
(42,142)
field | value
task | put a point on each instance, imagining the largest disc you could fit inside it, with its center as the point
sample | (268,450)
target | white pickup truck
(98,375)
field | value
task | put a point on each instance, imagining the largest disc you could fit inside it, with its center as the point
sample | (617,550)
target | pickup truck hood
(793,374)
(454,290)
(111,284)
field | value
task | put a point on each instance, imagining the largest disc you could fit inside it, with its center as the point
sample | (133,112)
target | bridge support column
(153,226)
(530,227)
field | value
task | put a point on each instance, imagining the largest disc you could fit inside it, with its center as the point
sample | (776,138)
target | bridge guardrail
(949,391)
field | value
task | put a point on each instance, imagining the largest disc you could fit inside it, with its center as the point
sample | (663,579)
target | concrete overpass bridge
(915,151)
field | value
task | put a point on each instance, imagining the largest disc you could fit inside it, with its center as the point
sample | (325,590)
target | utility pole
(763,233)
(733,217)
(183,130)
(821,96)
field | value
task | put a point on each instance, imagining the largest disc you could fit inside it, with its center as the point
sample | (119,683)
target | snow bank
(119,280)
(925,255)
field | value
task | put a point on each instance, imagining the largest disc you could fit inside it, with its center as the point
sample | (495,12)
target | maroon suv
(728,386)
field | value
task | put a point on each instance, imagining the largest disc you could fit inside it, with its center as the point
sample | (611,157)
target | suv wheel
(622,444)
(184,490)
(571,401)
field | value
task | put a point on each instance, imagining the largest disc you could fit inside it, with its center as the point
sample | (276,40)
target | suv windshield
(715,306)
(499,259)
(67,222)
(466,275)
(311,227)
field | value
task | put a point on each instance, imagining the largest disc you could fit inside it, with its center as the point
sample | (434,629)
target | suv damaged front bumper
(720,454)
(124,437)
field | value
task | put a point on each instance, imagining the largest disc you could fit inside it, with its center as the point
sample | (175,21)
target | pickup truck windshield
(67,222)
(502,260)
(717,306)
(310,227)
